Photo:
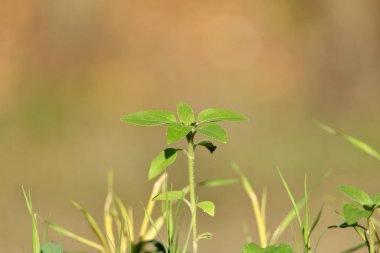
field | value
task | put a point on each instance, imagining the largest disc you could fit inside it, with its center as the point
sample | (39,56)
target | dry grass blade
(150,206)
(94,226)
(76,237)
(261,226)
(108,217)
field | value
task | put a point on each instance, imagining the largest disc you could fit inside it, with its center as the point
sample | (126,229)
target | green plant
(363,208)
(365,205)
(306,227)
(45,247)
(120,218)
(259,209)
(186,127)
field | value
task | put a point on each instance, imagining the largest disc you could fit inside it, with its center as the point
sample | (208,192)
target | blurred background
(69,69)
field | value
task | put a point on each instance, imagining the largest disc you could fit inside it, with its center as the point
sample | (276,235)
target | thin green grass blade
(94,226)
(35,236)
(76,237)
(151,221)
(316,220)
(286,222)
(306,223)
(291,199)
(364,147)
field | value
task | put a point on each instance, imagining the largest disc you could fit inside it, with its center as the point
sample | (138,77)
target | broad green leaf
(51,247)
(176,132)
(353,141)
(213,131)
(185,113)
(253,248)
(376,199)
(207,207)
(150,118)
(212,115)
(219,182)
(170,195)
(207,144)
(161,162)
(357,195)
(352,214)
(206,235)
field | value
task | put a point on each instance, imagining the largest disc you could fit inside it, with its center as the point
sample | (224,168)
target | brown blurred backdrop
(69,69)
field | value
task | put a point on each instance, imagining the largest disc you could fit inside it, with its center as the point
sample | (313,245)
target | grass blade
(364,147)
(35,236)
(291,199)
(94,226)
(74,236)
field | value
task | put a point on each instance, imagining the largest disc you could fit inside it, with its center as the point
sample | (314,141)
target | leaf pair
(352,213)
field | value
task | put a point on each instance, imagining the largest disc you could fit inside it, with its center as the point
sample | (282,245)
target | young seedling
(363,208)
(186,127)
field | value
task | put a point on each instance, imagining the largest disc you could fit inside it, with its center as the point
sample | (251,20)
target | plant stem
(370,235)
(192,192)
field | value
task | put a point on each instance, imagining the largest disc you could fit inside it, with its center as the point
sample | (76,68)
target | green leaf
(150,118)
(185,113)
(212,115)
(357,195)
(376,199)
(176,132)
(253,248)
(352,214)
(213,131)
(219,182)
(206,235)
(207,144)
(170,195)
(207,207)
(51,247)
(353,141)
(161,162)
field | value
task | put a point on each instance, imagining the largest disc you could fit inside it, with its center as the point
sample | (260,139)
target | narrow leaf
(291,199)
(214,131)
(206,235)
(219,182)
(207,144)
(356,194)
(176,132)
(316,220)
(207,207)
(212,115)
(170,195)
(161,162)
(353,141)
(94,225)
(185,113)
(76,237)
(150,118)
